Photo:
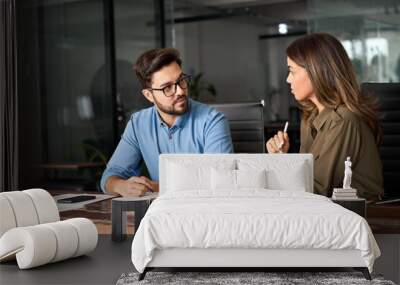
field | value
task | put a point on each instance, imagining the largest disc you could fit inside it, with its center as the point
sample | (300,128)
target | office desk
(98,212)
(384,218)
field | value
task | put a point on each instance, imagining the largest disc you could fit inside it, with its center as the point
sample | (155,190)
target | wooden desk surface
(383,219)
(74,166)
(98,212)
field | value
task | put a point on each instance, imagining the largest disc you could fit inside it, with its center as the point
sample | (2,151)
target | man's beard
(170,110)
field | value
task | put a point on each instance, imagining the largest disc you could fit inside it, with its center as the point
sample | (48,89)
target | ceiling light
(282,28)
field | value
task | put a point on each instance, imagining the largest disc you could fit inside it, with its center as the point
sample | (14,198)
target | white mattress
(252,218)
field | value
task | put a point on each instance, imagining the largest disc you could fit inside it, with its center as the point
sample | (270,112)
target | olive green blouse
(333,135)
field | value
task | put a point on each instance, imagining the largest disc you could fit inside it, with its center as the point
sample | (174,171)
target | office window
(369,31)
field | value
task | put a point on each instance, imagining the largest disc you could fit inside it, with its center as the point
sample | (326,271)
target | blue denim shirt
(200,130)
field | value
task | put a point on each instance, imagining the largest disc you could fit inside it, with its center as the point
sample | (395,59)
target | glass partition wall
(236,49)
(78,85)
(369,31)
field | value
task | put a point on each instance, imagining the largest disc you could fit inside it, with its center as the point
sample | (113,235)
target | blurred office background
(77,89)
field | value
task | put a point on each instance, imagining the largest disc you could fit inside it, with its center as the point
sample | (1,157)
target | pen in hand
(284,131)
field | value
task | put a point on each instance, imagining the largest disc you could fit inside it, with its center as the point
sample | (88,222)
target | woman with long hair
(337,121)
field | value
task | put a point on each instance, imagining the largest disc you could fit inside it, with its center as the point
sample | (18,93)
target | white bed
(247,210)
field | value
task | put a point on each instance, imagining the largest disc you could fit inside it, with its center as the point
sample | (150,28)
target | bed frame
(246,258)
(242,259)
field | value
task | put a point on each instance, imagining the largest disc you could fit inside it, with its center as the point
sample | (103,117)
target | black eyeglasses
(170,90)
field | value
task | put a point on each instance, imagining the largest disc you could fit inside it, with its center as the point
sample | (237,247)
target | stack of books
(344,194)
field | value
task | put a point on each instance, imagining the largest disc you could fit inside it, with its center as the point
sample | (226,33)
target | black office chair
(246,121)
(388,95)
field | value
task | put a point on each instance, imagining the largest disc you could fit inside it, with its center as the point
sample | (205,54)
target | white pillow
(236,179)
(281,174)
(223,179)
(291,178)
(251,178)
(188,176)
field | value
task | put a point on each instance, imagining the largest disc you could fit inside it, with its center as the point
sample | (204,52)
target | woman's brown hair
(333,78)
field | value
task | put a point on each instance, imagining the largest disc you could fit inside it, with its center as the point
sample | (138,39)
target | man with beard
(175,124)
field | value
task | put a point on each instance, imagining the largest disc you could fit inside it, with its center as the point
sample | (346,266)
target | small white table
(120,205)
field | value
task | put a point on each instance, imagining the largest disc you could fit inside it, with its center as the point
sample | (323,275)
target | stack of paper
(344,194)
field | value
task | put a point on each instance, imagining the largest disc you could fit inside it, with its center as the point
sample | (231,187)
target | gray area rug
(225,278)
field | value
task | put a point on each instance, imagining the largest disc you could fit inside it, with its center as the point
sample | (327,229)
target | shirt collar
(318,120)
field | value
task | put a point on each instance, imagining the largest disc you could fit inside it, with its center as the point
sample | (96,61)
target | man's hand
(133,187)
(278,143)
(152,185)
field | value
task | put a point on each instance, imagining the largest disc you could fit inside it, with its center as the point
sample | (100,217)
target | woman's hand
(278,143)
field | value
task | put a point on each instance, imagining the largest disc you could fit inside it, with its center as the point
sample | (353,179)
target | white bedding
(250,218)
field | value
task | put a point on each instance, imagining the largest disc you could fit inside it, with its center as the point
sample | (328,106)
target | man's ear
(148,94)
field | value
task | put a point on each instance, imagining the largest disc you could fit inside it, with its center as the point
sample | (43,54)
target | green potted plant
(200,87)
